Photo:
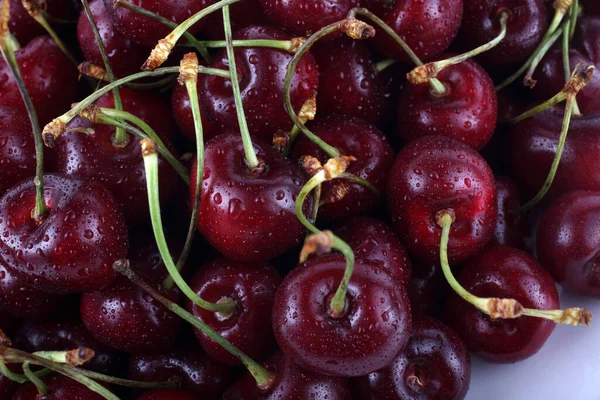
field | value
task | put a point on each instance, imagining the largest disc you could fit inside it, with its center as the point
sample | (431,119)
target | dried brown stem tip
(311,165)
(188,69)
(4,19)
(148,147)
(90,113)
(576,316)
(562,5)
(158,55)
(4,340)
(32,7)
(422,74)
(336,193)
(281,139)
(308,110)
(79,356)
(357,29)
(52,131)
(93,71)
(334,167)
(317,243)
(296,44)
(504,308)
(579,79)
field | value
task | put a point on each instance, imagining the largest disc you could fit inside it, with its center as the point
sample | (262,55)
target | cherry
(466,112)
(352,137)
(17,151)
(120,168)
(50,78)
(125,56)
(243,15)
(427,289)
(146,31)
(261,72)
(182,112)
(436,173)
(59,388)
(7,387)
(427,27)
(248,215)
(168,394)
(526,26)
(349,83)
(373,329)
(550,74)
(74,248)
(534,142)
(568,243)
(195,370)
(510,229)
(25,28)
(591,7)
(306,17)
(503,272)
(252,288)
(377,244)
(434,365)
(291,382)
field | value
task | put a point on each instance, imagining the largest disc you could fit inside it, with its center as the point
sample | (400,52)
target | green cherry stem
(286,45)
(537,58)
(120,138)
(149,152)
(499,307)
(383,64)
(40,210)
(142,11)
(40,386)
(263,377)
(128,382)
(565,56)
(573,15)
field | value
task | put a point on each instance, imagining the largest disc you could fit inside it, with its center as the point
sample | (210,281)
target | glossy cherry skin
(305,17)
(244,215)
(534,142)
(291,382)
(242,15)
(550,74)
(467,112)
(60,387)
(568,241)
(261,72)
(377,244)
(371,332)
(435,364)
(506,273)
(182,113)
(64,334)
(50,78)
(252,287)
(427,289)
(7,387)
(74,248)
(349,83)
(24,28)
(436,173)
(427,27)
(125,56)
(145,30)
(525,27)
(168,394)
(511,228)
(17,150)
(195,370)
(120,169)
(352,137)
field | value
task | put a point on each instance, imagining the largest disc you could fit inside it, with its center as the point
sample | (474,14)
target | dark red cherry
(592,7)
(585,48)
(352,137)
(427,27)
(427,289)
(568,241)
(436,173)
(252,287)
(511,228)
(195,370)
(125,56)
(145,30)
(120,169)
(467,111)
(503,272)
(242,15)
(372,331)
(182,113)
(17,150)
(64,334)
(305,17)
(248,215)
(349,84)
(7,387)
(75,246)
(291,383)
(261,72)
(59,387)
(534,142)
(525,27)
(168,394)
(50,78)
(376,244)
(25,28)
(434,365)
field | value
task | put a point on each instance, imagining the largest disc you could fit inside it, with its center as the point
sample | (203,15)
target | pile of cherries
(263,199)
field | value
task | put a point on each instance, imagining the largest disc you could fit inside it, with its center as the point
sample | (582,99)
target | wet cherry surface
(59,388)
(17,151)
